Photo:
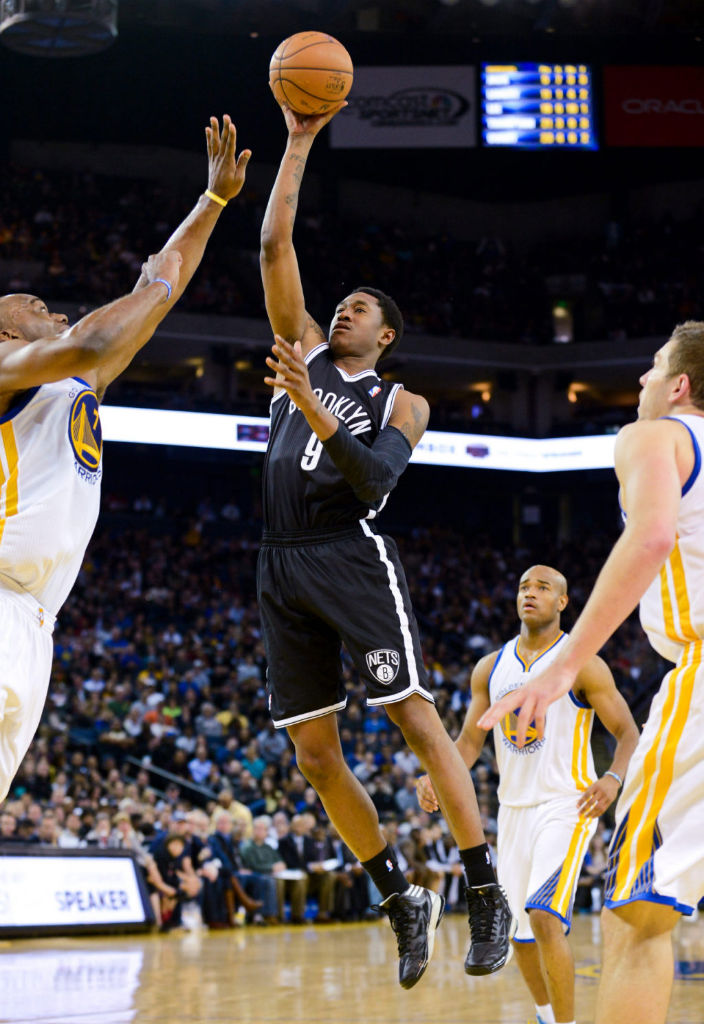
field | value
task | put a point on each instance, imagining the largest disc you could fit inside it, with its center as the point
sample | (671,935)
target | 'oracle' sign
(654,106)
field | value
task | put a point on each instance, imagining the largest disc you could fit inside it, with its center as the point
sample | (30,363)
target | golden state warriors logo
(85,432)
(509,731)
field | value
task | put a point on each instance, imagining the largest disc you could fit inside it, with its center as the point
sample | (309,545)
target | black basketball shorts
(318,590)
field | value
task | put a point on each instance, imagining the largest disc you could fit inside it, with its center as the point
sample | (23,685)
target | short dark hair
(390,315)
(687,356)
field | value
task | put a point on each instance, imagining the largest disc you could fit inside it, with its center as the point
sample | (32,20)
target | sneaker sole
(436,915)
(482,971)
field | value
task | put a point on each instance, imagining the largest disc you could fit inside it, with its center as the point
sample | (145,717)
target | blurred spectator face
(8,824)
(47,829)
(260,830)
(298,825)
(223,824)
(281,824)
(225,797)
(175,847)
(73,824)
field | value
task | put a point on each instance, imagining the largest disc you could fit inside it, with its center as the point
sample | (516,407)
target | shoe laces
(484,912)
(400,915)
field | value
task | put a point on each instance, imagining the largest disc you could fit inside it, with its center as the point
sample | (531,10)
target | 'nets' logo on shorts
(384,665)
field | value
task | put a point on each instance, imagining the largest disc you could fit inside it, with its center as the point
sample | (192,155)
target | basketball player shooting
(656,859)
(340,438)
(549,795)
(52,379)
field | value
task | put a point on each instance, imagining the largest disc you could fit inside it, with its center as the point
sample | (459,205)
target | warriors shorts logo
(384,665)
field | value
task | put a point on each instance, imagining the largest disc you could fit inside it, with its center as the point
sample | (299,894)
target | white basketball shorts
(25,667)
(657,849)
(540,855)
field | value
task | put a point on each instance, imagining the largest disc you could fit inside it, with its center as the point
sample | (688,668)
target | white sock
(545,1013)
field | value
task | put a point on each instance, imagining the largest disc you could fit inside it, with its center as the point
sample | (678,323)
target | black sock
(385,873)
(477,865)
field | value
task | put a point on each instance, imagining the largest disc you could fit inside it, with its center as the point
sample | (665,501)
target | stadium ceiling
(480,17)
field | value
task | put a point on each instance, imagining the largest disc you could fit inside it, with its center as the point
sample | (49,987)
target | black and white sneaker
(414,916)
(492,927)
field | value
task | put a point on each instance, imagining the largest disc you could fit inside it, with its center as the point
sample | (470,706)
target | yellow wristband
(216,199)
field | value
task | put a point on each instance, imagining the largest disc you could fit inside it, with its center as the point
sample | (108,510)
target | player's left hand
(291,372)
(533,699)
(226,170)
(600,795)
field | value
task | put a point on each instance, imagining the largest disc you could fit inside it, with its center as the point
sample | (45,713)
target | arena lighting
(437,448)
(58,28)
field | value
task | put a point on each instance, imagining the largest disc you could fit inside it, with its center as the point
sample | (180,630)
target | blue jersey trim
(653,897)
(688,484)
(496,665)
(526,666)
(23,402)
(579,703)
(567,921)
(84,383)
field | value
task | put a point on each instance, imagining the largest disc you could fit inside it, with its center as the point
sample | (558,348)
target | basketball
(310,71)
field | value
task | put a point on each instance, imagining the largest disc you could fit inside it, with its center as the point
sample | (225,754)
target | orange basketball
(310,71)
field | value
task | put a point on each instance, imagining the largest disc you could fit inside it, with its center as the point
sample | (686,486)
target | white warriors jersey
(672,609)
(560,764)
(50,470)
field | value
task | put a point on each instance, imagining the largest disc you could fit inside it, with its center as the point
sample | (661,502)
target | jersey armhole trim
(495,666)
(575,700)
(19,406)
(314,352)
(689,483)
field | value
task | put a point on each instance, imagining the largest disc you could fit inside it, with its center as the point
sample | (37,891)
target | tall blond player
(656,860)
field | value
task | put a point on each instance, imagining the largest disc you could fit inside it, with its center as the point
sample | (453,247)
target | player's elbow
(272,248)
(376,488)
(657,540)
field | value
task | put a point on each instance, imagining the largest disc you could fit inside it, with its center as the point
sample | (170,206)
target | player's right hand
(426,794)
(308,124)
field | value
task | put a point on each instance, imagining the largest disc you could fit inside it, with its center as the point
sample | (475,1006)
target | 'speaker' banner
(64,890)
(408,107)
(654,106)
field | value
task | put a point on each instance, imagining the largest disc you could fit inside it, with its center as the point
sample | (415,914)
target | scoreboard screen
(538,106)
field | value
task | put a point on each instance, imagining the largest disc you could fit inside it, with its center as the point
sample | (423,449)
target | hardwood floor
(334,974)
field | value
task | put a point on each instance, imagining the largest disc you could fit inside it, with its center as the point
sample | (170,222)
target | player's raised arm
(595,684)
(283,291)
(647,469)
(79,351)
(471,738)
(226,174)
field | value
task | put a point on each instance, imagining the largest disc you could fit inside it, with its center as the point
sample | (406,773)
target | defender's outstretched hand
(533,700)
(226,170)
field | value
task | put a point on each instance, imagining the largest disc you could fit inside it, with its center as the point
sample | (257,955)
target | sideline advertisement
(408,107)
(654,106)
(436,448)
(68,891)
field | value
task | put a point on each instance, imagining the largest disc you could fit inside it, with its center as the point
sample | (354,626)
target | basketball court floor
(334,974)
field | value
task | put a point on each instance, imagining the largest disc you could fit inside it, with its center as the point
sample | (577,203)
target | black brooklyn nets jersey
(303,490)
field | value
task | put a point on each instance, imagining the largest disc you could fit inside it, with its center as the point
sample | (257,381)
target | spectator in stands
(70,837)
(263,854)
(243,886)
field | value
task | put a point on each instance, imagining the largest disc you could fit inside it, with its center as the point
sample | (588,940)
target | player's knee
(318,764)
(545,926)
